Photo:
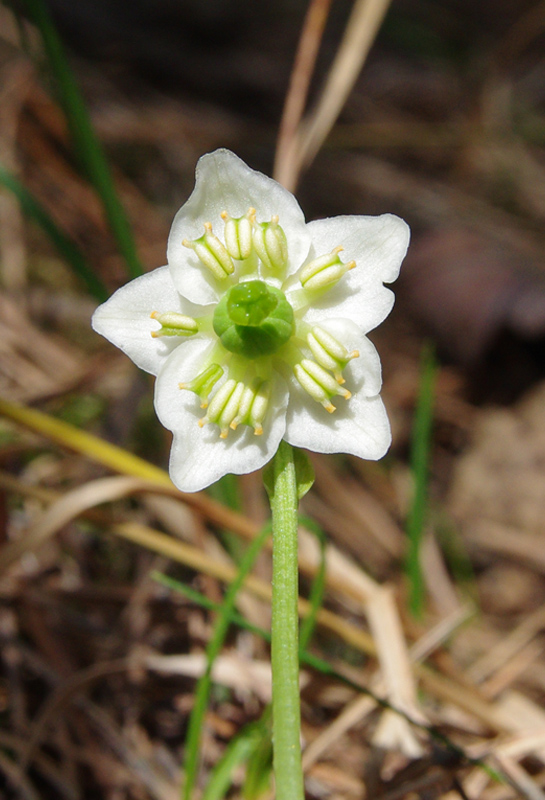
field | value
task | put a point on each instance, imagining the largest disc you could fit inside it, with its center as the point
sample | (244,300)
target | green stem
(284,645)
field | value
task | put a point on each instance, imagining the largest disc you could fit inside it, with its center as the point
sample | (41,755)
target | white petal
(125,319)
(199,457)
(358,426)
(378,246)
(225,183)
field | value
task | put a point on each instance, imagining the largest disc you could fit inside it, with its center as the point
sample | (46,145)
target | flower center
(254,319)
(250,303)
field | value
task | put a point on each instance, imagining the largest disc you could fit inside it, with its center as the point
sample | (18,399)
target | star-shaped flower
(260,319)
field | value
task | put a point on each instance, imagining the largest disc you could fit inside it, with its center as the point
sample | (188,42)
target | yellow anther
(329,352)
(238,234)
(260,406)
(219,403)
(244,407)
(230,409)
(173,324)
(325,271)
(212,253)
(318,383)
(204,382)
(270,243)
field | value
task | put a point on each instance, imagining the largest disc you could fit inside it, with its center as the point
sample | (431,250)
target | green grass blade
(237,752)
(204,602)
(213,649)
(66,247)
(226,491)
(420,457)
(260,762)
(83,135)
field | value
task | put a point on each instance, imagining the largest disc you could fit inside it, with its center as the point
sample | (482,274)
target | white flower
(261,320)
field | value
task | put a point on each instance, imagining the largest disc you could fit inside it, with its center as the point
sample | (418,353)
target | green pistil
(254,319)
(250,303)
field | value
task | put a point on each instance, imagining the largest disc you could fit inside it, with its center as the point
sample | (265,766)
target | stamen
(174,324)
(238,234)
(259,407)
(244,407)
(218,402)
(325,271)
(318,383)
(253,406)
(270,243)
(204,382)
(212,253)
(230,410)
(329,352)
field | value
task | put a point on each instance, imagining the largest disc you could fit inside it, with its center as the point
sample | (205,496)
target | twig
(305,60)
(361,31)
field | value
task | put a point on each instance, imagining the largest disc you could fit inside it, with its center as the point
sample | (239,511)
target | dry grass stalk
(394,732)
(362,28)
(301,75)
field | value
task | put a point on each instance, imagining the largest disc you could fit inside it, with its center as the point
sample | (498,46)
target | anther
(329,352)
(270,243)
(318,383)
(238,234)
(253,406)
(244,407)
(230,410)
(204,382)
(325,271)
(218,402)
(174,324)
(212,253)
(259,407)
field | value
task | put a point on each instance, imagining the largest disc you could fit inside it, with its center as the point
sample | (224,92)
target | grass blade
(87,146)
(66,247)
(420,457)
(237,752)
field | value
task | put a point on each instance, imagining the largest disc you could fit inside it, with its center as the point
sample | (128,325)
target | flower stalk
(285,621)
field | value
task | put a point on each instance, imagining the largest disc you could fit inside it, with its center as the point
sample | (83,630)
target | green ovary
(250,303)
(254,319)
